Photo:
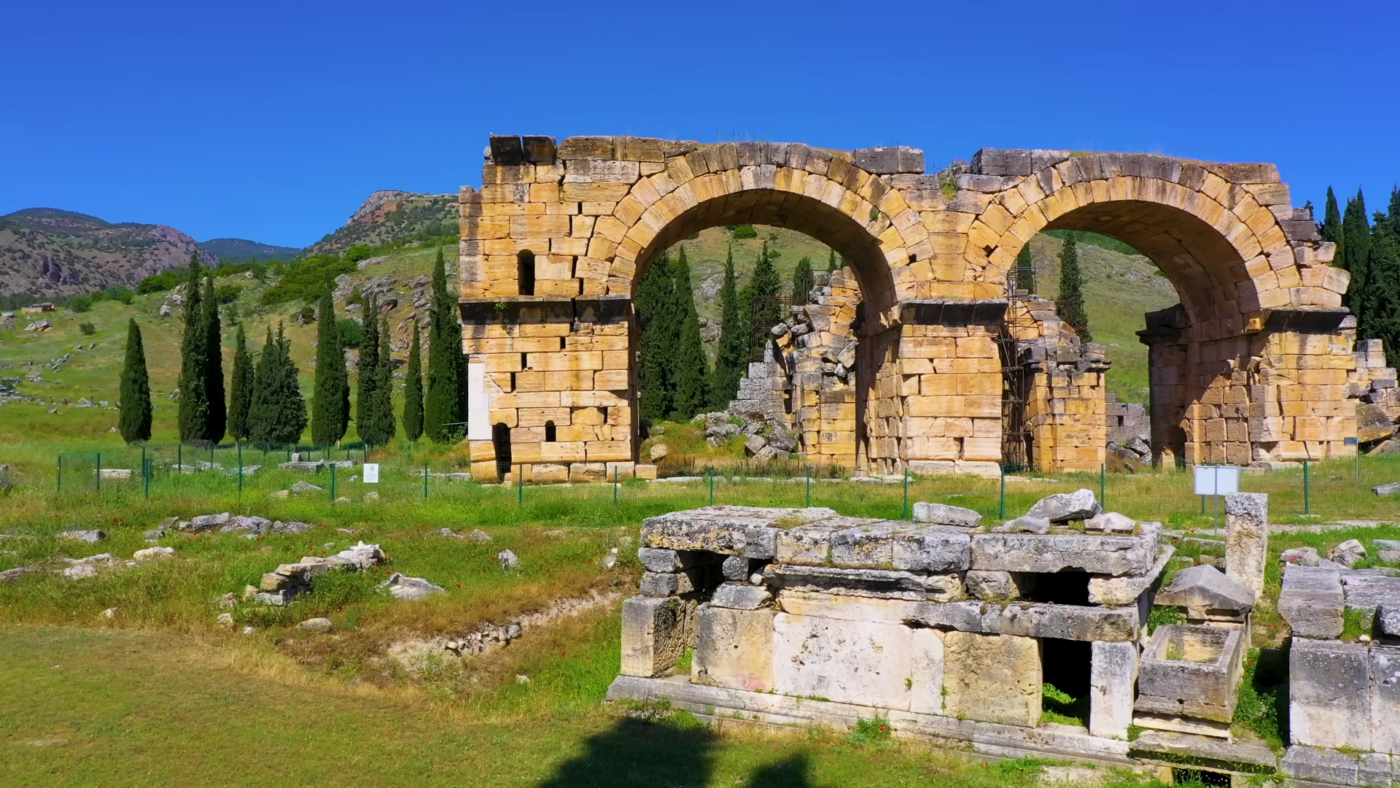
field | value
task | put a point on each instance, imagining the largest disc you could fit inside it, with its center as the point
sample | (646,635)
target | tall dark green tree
(330,403)
(413,391)
(761,298)
(443,408)
(217,425)
(1356,253)
(240,398)
(690,373)
(194,397)
(278,411)
(1331,227)
(660,329)
(367,420)
(801,280)
(1025,270)
(1384,269)
(732,357)
(831,262)
(134,423)
(384,387)
(1070,305)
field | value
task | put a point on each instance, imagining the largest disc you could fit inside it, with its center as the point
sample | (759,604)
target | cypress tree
(217,424)
(384,387)
(801,281)
(194,401)
(134,423)
(413,391)
(443,404)
(330,405)
(1025,270)
(240,388)
(1356,234)
(655,303)
(690,376)
(1070,305)
(366,419)
(1331,227)
(277,414)
(761,297)
(831,262)
(291,407)
(732,357)
(1384,267)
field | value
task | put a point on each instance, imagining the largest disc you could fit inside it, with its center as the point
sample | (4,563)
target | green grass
(1058,706)
(1262,706)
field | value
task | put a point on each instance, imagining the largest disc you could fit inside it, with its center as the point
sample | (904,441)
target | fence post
(425,481)
(60,473)
(1103,484)
(809,486)
(99,471)
(180,456)
(520,485)
(333,467)
(1001,512)
(146,474)
(1307,500)
(712,486)
(614,484)
(905,516)
(1358,462)
(239,444)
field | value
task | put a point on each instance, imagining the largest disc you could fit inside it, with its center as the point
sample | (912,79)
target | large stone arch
(1246,369)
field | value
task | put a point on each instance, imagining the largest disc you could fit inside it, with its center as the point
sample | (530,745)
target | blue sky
(273,121)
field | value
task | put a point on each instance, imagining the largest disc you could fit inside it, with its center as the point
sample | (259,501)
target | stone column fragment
(1112,676)
(1247,538)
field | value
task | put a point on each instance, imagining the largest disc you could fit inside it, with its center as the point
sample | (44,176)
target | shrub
(304,279)
(352,332)
(226,294)
(745,231)
(159,283)
(88,329)
(358,252)
(118,293)
(80,303)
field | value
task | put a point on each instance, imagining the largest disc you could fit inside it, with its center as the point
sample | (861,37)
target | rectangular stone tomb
(1188,678)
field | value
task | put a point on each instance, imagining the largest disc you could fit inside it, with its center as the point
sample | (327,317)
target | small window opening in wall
(524,361)
(512,381)
(561,343)
(549,432)
(526,263)
(1199,777)
(605,415)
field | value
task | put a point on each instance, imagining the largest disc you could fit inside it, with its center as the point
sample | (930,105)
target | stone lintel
(1305,319)
(1033,619)
(608,309)
(938,312)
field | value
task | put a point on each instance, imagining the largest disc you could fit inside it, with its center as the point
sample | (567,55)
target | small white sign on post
(1217,479)
(371,473)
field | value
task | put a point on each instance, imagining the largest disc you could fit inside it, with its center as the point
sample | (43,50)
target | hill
(50,252)
(239,250)
(394,219)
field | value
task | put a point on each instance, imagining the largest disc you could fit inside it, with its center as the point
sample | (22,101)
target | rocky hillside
(239,250)
(393,218)
(51,252)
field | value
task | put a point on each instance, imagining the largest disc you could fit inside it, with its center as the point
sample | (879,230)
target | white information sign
(1217,479)
(371,473)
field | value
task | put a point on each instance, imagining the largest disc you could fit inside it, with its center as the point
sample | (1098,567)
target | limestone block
(737,568)
(943,514)
(1190,671)
(734,648)
(1329,694)
(585,472)
(1247,538)
(547,473)
(1116,591)
(742,596)
(1037,620)
(655,633)
(933,549)
(1064,507)
(811,544)
(1385,699)
(926,667)
(1055,552)
(1208,594)
(1318,765)
(850,582)
(660,560)
(732,530)
(1312,600)
(1112,679)
(846,608)
(647,472)
(1111,522)
(846,661)
(991,586)
(993,678)
(867,545)
(672,583)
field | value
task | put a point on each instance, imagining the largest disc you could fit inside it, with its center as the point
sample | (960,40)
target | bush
(226,294)
(352,332)
(118,293)
(358,252)
(745,231)
(304,279)
(80,303)
(88,329)
(159,283)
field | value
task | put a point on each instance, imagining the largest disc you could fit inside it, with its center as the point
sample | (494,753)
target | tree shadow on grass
(673,752)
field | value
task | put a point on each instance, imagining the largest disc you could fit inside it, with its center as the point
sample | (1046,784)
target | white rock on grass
(304,487)
(1064,507)
(90,536)
(404,588)
(508,560)
(153,553)
(317,625)
(1348,553)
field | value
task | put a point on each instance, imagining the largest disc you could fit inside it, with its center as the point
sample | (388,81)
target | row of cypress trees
(1371,253)
(265,404)
(675,379)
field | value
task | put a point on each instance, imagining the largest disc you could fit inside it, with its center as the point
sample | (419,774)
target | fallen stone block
(943,514)
(1392,488)
(208,522)
(1206,593)
(1065,507)
(1111,522)
(741,596)
(656,631)
(734,647)
(316,625)
(404,588)
(1311,601)
(1117,591)
(1368,593)
(1025,524)
(1301,556)
(153,553)
(1329,694)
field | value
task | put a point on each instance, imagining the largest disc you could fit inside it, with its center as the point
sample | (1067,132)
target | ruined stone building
(924,356)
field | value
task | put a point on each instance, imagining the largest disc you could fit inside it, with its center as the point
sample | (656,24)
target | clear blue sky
(273,121)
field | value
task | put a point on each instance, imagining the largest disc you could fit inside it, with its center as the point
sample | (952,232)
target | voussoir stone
(1064,507)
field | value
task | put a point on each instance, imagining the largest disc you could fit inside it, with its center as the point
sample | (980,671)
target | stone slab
(656,631)
(850,661)
(1206,593)
(742,596)
(734,648)
(943,514)
(1247,538)
(1311,601)
(848,608)
(1385,699)
(1329,694)
(926,672)
(933,549)
(855,582)
(1112,677)
(810,544)
(661,560)
(749,531)
(1117,591)
(1368,593)
(1206,750)
(868,546)
(993,678)
(1115,556)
